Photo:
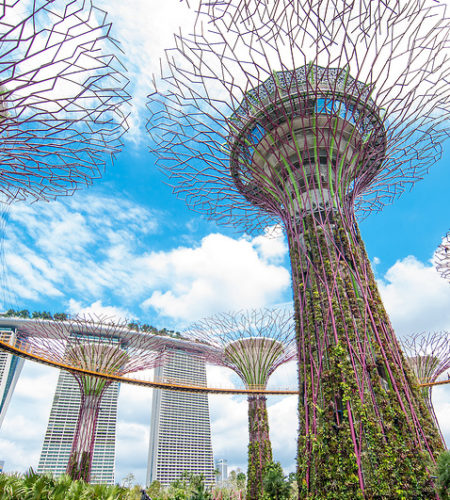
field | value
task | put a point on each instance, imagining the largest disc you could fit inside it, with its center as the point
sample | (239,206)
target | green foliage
(276,485)
(189,487)
(353,401)
(32,486)
(443,475)
(240,480)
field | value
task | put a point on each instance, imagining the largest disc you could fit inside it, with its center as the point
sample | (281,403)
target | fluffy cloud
(82,246)
(221,274)
(143,45)
(92,253)
(416,297)
(98,310)
(22,432)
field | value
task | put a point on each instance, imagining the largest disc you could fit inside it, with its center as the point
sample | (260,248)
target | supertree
(62,97)
(310,113)
(96,345)
(428,355)
(443,257)
(254,344)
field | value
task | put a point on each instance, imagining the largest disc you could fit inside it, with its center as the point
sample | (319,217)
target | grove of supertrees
(96,345)
(428,355)
(253,344)
(63,97)
(442,257)
(311,114)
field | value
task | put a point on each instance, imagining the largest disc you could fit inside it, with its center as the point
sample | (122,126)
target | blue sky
(126,246)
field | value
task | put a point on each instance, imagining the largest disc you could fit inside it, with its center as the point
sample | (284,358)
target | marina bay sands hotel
(180,431)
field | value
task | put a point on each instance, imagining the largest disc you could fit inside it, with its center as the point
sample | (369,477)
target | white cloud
(221,274)
(97,309)
(416,297)
(82,246)
(143,44)
(272,245)
(22,432)
(441,403)
(88,254)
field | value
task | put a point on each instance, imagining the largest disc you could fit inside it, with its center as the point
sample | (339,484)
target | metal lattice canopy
(63,97)
(253,343)
(442,258)
(381,70)
(91,343)
(428,354)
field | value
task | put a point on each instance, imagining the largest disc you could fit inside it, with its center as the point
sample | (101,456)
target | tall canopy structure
(428,356)
(63,97)
(443,258)
(310,114)
(95,345)
(253,344)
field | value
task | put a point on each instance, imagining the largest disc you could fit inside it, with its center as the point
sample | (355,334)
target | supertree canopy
(62,97)
(428,355)
(443,258)
(92,344)
(253,344)
(309,113)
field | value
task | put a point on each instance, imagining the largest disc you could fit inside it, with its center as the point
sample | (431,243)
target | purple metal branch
(428,356)
(252,343)
(63,98)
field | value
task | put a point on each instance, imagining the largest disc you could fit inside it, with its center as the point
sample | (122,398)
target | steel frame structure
(253,344)
(310,114)
(6,345)
(442,258)
(63,98)
(90,343)
(428,355)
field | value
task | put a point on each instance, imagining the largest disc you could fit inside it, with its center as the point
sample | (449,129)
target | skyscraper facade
(10,368)
(61,429)
(221,470)
(180,431)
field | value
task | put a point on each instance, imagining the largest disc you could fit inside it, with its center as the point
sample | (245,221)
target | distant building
(10,368)
(180,431)
(61,429)
(2,465)
(221,470)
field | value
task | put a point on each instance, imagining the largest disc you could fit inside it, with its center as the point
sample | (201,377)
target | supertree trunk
(364,429)
(80,460)
(259,447)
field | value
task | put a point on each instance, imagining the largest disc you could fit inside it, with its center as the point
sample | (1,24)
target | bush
(443,475)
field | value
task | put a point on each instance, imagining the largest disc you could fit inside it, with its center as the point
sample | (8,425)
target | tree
(240,480)
(128,480)
(276,485)
(154,489)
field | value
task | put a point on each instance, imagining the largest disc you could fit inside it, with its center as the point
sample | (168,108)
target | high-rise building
(180,431)
(61,429)
(10,368)
(221,470)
